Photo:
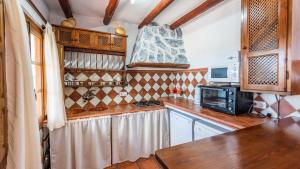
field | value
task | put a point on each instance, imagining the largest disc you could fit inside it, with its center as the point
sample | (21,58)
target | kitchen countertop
(238,122)
(275,144)
(112,110)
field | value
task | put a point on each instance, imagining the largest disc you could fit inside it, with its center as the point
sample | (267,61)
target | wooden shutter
(103,41)
(65,36)
(84,39)
(118,43)
(264,40)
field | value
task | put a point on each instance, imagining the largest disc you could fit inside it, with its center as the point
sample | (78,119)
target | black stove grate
(147,103)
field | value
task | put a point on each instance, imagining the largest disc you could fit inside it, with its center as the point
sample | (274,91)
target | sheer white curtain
(24,150)
(82,144)
(136,135)
(56,115)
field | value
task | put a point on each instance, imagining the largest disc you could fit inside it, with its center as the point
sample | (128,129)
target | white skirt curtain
(140,134)
(24,148)
(82,144)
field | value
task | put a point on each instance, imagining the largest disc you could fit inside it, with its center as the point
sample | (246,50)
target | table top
(272,145)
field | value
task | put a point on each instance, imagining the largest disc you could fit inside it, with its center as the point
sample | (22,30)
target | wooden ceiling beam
(110,10)
(65,6)
(195,12)
(163,4)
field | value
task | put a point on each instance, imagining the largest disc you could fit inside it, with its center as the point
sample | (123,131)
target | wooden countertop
(238,122)
(273,145)
(112,110)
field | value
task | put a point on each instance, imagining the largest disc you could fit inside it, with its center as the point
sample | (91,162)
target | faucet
(89,95)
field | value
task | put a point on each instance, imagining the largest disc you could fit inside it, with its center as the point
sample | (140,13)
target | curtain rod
(38,12)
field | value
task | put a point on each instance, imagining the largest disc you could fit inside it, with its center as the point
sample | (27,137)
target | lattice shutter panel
(263,25)
(103,40)
(262,70)
(118,42)
(84,38)
(65,36)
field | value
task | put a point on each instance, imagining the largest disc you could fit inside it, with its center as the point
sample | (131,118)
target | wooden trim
(110,10)
(293,47)
(59,26)
(37,11)
(194,70)
(163,4)
(75,70)
(74,49)
(159,65)
(65,6)
(3,104)
(203,7)
(37,31)
(150,71)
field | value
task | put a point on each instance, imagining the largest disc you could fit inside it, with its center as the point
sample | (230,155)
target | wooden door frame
(3,108)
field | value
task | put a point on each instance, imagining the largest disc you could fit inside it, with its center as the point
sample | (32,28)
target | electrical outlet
(123,94)
(260,105)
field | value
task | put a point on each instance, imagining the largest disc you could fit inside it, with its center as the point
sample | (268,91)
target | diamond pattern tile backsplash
(288,105)
(153,84)
(142,85)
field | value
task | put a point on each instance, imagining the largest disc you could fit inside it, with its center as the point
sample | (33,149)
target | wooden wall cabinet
(266,45)
(102,41)
(65,36)
(118,43)
(87,39)
(84,39)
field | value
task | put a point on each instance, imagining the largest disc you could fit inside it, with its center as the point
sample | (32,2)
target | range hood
(159,46)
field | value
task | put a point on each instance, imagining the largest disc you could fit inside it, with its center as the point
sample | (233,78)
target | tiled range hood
(159,45)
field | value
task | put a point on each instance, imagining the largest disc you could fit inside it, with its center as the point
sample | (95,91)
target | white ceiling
(132,13)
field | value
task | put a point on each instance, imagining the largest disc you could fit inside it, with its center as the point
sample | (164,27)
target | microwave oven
(226,99)
(229,73)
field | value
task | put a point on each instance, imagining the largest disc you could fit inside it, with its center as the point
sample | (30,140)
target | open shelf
(89,84)
(92,70)
(159,65)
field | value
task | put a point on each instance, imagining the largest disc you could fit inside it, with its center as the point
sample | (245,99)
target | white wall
(213,35)
(95,23)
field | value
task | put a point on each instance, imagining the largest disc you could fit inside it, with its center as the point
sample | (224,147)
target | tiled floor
(143,163)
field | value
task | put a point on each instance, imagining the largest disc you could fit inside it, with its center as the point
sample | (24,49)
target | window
(37,63)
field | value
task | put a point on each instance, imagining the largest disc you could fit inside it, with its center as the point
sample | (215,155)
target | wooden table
(273,145)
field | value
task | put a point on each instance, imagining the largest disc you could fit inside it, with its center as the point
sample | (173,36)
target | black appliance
(226,99)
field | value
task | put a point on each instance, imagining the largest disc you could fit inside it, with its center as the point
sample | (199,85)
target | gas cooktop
(147,103)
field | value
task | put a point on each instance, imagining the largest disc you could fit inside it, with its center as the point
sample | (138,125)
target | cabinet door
(84,39)
(181,128)
(102,41)
(65,36)
(118,43)
(203,131)
(264,40)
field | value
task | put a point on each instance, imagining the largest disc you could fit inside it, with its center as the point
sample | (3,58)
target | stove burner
(147,103)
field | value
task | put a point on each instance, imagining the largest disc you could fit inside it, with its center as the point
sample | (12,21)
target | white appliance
(181,128)
(203,130)
(228,72)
